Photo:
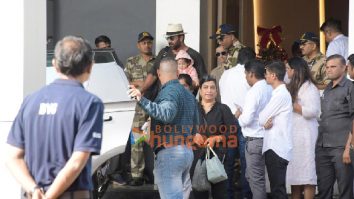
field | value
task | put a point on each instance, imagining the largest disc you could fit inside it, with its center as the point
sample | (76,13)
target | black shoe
(136,182)
(118,179)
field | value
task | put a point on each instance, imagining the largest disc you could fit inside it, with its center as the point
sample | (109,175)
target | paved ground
(130,192)
(140,192)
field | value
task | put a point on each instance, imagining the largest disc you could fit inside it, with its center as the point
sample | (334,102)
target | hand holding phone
(134,93)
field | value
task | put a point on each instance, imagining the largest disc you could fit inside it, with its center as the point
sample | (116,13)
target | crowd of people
(293,119)
(276,107)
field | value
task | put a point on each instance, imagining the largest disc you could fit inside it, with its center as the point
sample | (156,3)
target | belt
(251,138)
(83,194)
(158,149)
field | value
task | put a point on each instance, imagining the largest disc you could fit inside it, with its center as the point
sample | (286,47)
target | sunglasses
(221,38)
(218,54)
(306,42)
(171,38)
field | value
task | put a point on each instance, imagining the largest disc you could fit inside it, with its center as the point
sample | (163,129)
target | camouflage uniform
(137,69)
(233,54)
(318,68)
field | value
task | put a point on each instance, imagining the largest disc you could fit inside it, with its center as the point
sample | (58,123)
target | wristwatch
(33,190)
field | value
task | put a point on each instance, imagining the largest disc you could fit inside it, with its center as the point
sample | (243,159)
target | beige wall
(246,23)
(339,10)
(207,28)
(294,16)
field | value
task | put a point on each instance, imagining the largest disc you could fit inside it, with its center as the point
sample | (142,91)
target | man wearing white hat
(175,38)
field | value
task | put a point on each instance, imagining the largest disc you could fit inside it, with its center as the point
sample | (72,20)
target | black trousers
(218,191)
(329,168)
(276,167)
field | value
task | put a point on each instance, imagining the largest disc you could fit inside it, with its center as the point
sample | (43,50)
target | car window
(50,56)
(103,57)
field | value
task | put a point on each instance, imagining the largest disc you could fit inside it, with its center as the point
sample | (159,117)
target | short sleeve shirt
(52,124)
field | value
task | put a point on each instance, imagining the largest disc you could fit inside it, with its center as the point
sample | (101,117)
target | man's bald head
(167,69)
(168,65)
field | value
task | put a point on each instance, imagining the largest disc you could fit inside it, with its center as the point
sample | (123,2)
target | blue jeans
(171,172)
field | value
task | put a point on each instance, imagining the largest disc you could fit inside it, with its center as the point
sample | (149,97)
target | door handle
(110,118)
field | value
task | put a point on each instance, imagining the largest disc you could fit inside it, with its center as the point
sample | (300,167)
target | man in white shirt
(233,89)
(255,101)
(338,43)
(233,84)
(276,118)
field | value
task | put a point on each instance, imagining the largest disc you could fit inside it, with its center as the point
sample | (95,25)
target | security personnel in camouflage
(136,70)
(226,37)
(309,45)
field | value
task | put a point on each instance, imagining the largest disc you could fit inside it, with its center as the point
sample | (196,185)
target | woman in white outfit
(301,171)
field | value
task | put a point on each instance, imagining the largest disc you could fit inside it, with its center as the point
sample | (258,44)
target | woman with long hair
(301,171)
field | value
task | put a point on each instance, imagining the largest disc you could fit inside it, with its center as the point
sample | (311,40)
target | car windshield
(103,57)
(106,76)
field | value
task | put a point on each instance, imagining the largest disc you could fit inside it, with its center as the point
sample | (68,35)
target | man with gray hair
(57,129)
(174,113)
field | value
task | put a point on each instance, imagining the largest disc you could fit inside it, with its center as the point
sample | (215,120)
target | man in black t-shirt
(175,37)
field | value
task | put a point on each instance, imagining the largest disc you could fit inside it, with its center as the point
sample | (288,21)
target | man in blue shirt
(57,129)
(174,115)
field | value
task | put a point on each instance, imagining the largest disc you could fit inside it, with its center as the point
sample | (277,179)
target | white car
(108,82)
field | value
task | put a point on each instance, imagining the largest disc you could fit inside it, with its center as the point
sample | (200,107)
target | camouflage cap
(144,35)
